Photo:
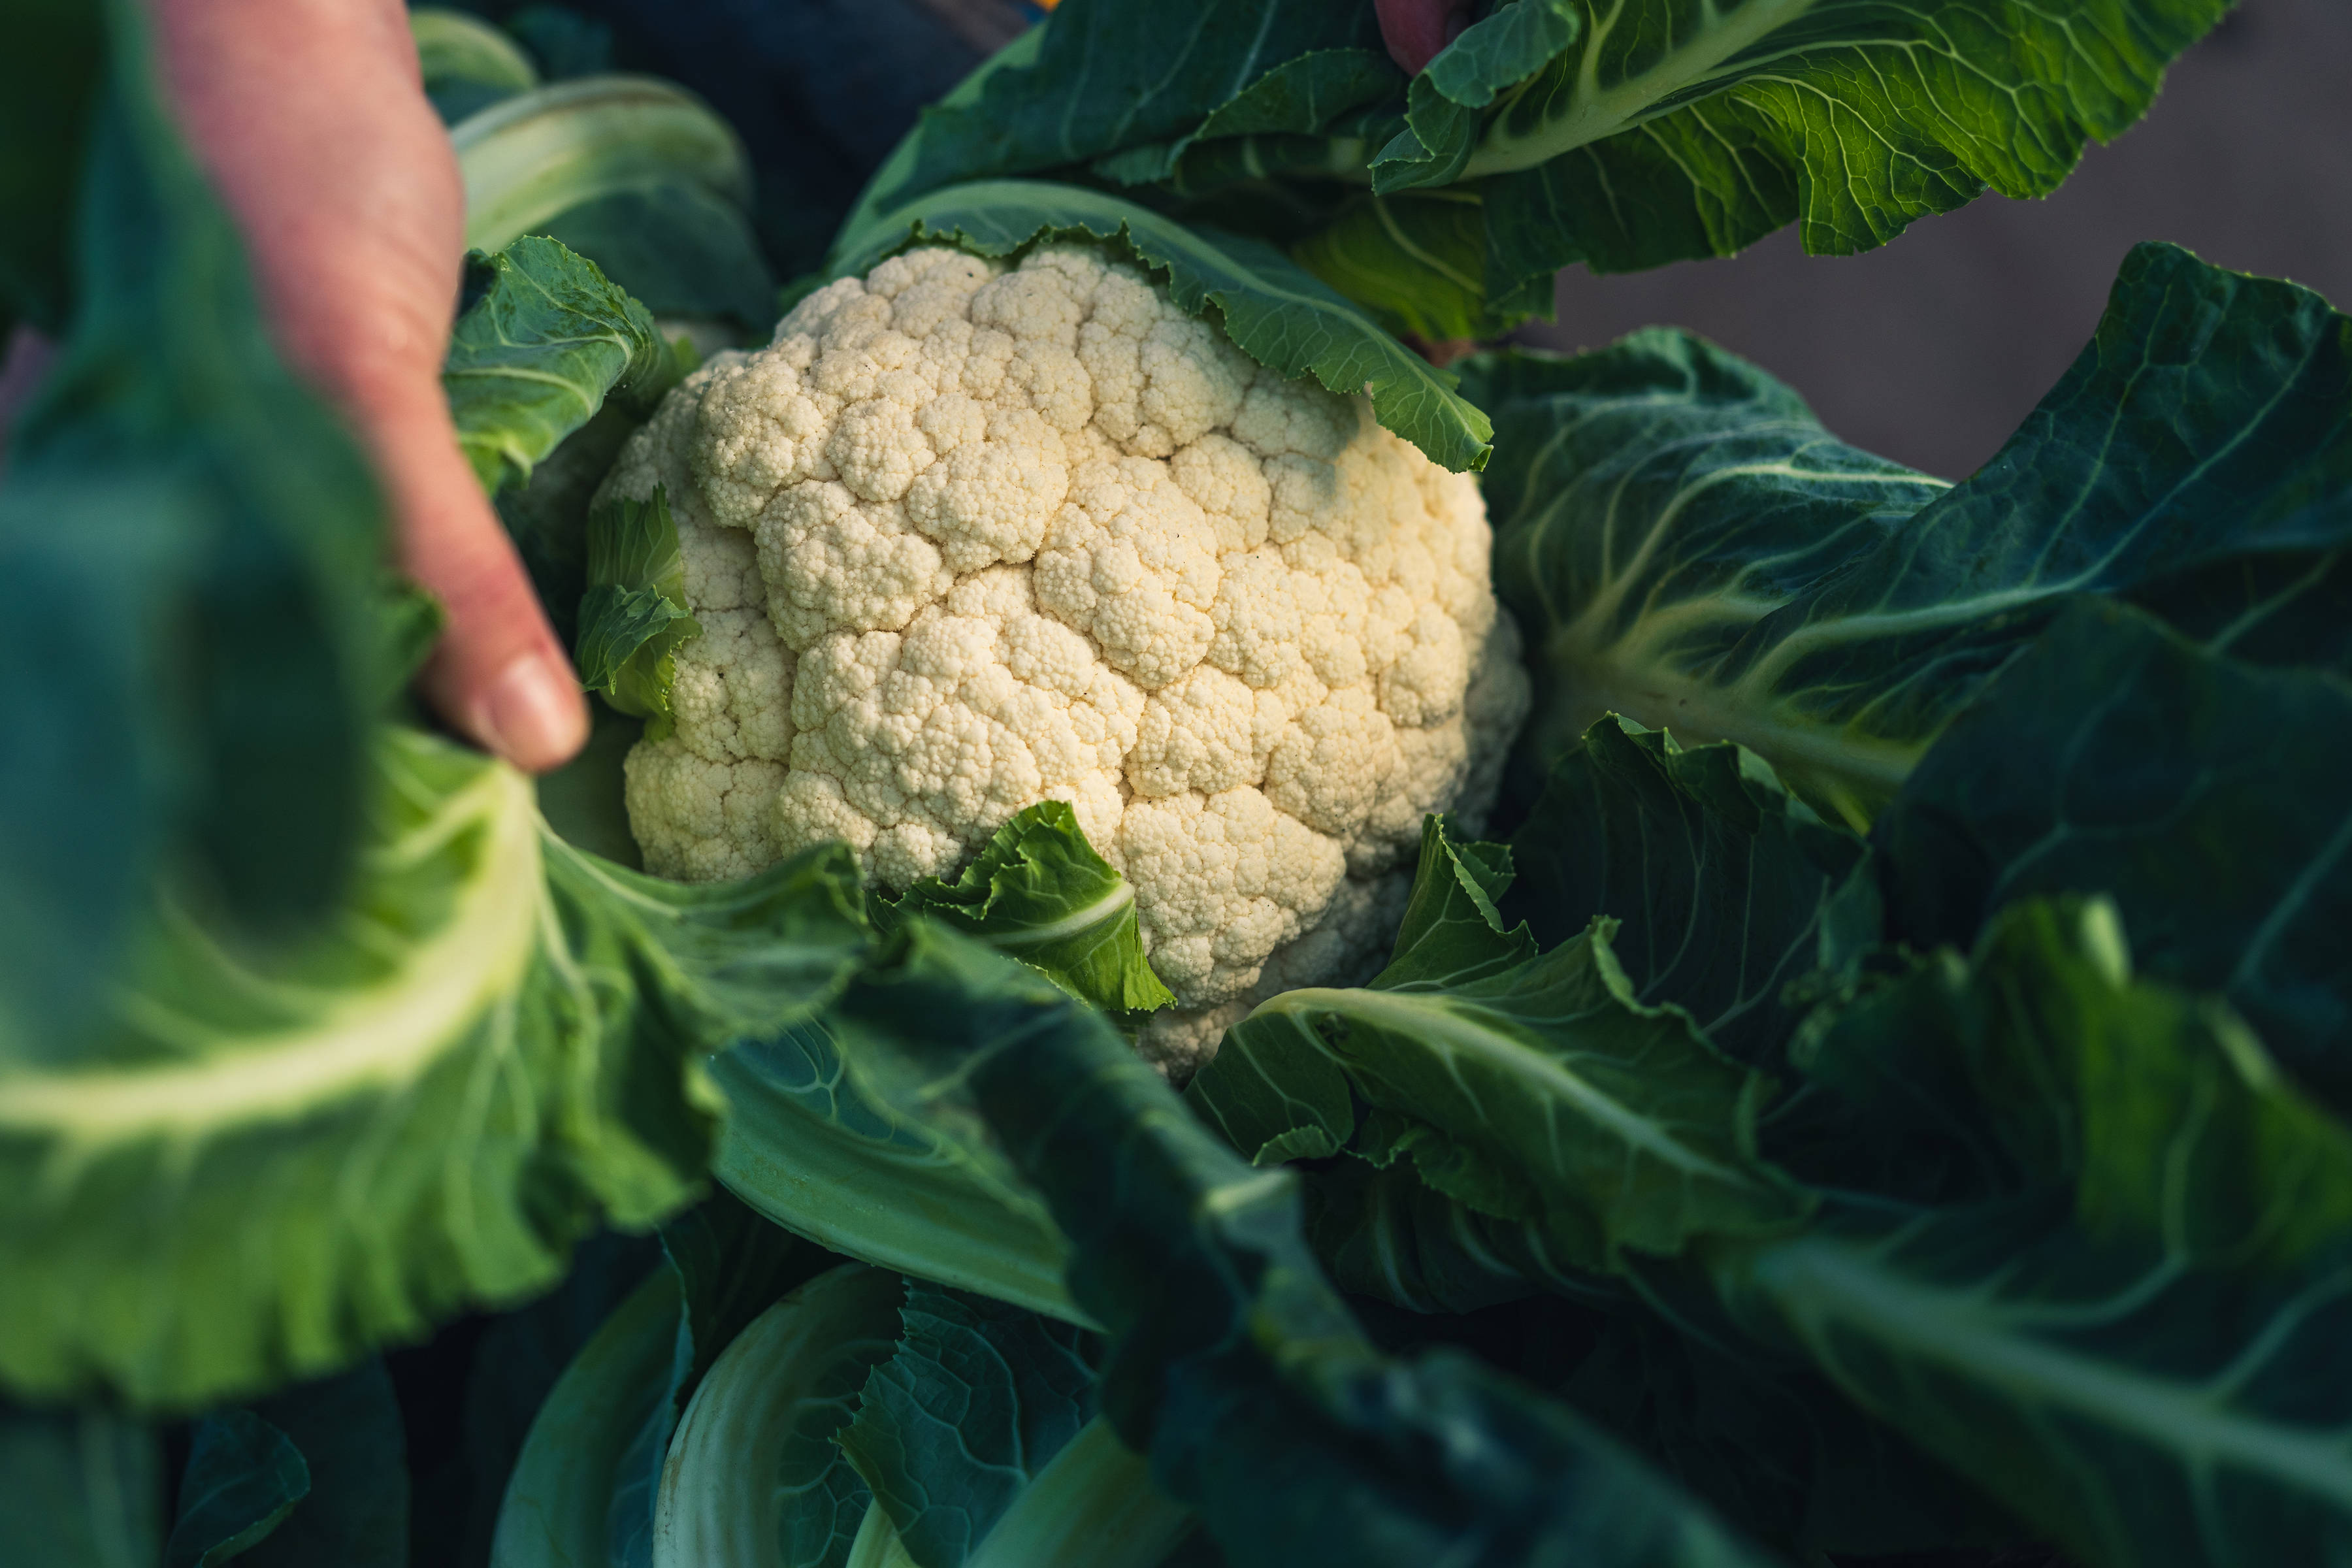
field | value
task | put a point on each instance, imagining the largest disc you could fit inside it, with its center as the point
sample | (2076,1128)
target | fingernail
(532,714)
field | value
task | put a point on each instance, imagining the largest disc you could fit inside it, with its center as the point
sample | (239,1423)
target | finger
(499,674)
(1414,30)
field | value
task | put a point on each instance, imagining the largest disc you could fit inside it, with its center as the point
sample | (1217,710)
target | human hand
(1414,30)
(310,117)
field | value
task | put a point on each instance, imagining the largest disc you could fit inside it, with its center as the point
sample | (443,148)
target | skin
(310,117)
(1414,30)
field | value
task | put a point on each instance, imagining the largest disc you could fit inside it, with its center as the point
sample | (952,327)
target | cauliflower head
(963,538)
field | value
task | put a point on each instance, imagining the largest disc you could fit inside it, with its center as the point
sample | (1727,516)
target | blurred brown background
(1933,349)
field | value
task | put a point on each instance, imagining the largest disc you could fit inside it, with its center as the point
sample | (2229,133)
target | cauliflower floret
(963,538)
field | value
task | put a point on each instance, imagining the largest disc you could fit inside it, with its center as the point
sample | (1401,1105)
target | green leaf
(1098,78)
(528,159)
(555,1511)
(1687,546)
(190,542)
(244,1477)
(1622,133)
(1416,261)
(78,1489)
(468,64)
(1278,314)
(1494,54)
(1038,891)
(753,1476)
(633,617)
(1387,1234)
(2143,1351)
(814,1145)
(1258,1398)
(1721,881)
(977,1399)
(354,1511)
(732,1265)
(1526,1087)
(496,1042)
(2202,794)
(539,353)
(680,249)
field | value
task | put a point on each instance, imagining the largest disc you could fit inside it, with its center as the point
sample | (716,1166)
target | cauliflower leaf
(633,618)
(1038,890)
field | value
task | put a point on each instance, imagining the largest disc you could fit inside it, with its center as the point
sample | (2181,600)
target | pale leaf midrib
(382,1033)
(1822,1285)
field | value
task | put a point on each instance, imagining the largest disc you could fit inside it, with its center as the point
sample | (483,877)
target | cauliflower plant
(963,538)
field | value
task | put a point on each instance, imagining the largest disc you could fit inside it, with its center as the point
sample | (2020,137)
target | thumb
(1415,30)
(499,674)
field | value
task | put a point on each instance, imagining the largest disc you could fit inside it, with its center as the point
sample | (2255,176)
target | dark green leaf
(1689,548)
(962,1420)
(1526,1087)
(538,353)
(1387,1234)
(532,158)
(732,1265)
(2202,794)
(244,1477)
(1497,52)
(1622,134)
(556,1509)
(78,1489)
(355,1514)
(2141,1348)
(1719,879)
(1101,78)
(1260,1400)
(1274,312)
(754,1472)
(1038,891)
(1416,261)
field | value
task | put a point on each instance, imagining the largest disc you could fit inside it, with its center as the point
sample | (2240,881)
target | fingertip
(531,712)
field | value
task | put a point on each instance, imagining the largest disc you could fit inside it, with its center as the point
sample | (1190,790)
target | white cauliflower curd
(963,538)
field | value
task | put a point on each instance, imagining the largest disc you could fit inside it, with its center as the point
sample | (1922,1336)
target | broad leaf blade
(1721,881)
(2138,1345)
(1691,549)
(813,1146)
(78,1489)
(1103,77)
(2204,796)
(1257,1397)
(1497,52)
(1622,133)
(1526,1087)
(354,1457)
(513,1032)
(978,1400)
